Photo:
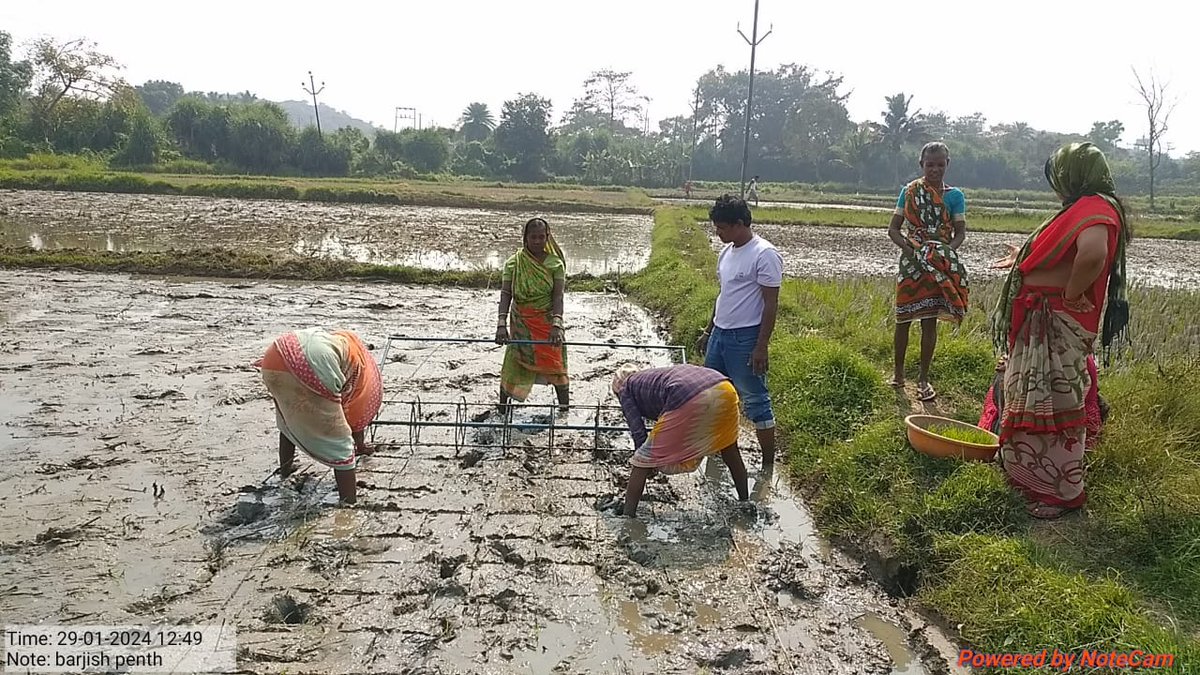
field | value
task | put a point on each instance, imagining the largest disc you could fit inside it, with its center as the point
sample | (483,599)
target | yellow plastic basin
(939,446)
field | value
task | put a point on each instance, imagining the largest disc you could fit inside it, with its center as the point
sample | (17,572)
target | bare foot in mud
(762,483)
(365,450)
(287,470)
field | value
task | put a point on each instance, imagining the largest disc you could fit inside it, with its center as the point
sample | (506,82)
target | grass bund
(232,264)
(547,198)
(949,533)
(1173,202)
(1022,222)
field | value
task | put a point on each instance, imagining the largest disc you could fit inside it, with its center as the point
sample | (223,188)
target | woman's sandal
(1047,511)
(925,392)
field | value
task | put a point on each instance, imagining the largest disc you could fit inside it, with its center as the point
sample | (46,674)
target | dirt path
(138,450)
(432,237)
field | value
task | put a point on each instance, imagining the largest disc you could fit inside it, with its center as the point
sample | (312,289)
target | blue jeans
(729,354)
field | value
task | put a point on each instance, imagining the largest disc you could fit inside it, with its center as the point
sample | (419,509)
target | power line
(403,113)
(753,41)
(312,90)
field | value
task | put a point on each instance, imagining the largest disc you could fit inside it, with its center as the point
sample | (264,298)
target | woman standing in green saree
(531,309)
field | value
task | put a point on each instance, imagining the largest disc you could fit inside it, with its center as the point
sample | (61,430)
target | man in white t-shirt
(750,272)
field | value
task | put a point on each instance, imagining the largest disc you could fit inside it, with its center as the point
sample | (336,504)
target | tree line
(68,98)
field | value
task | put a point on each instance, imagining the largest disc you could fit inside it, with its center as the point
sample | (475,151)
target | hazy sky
(1055,64)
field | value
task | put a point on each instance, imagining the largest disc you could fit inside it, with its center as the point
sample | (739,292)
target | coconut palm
(900,129)
(859,147)
(477,122)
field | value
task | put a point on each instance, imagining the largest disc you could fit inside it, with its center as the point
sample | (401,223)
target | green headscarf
(1076,170)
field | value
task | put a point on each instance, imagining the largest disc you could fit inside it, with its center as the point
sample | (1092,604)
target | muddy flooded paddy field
(138,449)
(840,252)
(430,237)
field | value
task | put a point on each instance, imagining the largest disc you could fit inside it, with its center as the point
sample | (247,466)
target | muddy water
(432,237)
(838,252)
(137,451)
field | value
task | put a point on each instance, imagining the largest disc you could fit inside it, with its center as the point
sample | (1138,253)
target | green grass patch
(1123,576)
(1009,596)
(961,434)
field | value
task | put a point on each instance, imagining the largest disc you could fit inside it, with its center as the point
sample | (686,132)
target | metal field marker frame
(462,416)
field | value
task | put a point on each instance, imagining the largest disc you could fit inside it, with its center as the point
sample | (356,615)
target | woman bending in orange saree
(327,390)
(531,309)
(1048,318)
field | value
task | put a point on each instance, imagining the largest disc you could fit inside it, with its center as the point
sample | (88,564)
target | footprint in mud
(533,425)
(471,459)
(733,658)
(789,571)
(508,553)
(285,609)
(249,508)
(269,509)
(447,567)
(613,504)
(506,599)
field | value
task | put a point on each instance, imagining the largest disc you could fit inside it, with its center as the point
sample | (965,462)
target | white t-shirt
(741,270)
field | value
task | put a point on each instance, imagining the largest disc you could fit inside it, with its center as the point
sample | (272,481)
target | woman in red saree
(1047,319)
(1094,404)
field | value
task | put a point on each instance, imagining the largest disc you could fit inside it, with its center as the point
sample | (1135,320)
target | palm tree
(477,122)
(900,128)
(859,148)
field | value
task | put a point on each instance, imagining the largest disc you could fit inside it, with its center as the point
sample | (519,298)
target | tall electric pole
(405,113)
(753,41)
(311,90)
(695,131)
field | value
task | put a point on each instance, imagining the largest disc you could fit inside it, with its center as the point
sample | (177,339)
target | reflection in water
(904,661)
(344,523)
(41,241)
(789,519)
(644,637)
(706,615)
(438,238)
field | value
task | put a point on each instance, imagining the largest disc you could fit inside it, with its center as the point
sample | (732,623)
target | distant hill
(301,115)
